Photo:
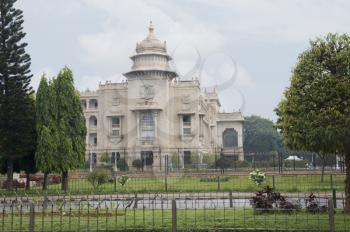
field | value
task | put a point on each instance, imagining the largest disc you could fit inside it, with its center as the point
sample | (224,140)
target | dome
(151,43)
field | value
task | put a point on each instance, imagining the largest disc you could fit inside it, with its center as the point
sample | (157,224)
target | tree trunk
(323,167)
(347,182)
(27,180)
(9,184)
(46,180)
(65,181)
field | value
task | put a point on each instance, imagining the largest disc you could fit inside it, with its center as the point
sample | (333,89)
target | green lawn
(119,219)
(283,183)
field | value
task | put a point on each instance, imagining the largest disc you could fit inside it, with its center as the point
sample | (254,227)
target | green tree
(46,152)
(260,135)
(314,114)
(27,161)
(70,122)
(15,89)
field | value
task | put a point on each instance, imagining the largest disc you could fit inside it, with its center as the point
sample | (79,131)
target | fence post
(334,195)
(45,201)
(31,217)
(331,215)
(218,183)
(273,182)
(135,205)
(331,180)
(166,173)
(174,215)
(231,202)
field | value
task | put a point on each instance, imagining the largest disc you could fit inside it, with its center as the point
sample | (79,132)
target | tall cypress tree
(46,151)
(15,90)
(71,126)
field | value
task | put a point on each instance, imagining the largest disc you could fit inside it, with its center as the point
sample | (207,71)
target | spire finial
(150,28)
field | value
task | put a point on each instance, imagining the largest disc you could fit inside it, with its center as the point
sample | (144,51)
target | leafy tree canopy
(260,135)
(314,114)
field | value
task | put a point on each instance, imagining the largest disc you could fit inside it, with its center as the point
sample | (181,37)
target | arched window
(230,138)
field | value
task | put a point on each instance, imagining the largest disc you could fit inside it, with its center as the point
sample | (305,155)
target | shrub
(257,177)
(242,164)
(224,162)
(122,165)
(267,200)
(209,160)
(98,177)
(313,206)
(214,179)
(138,164)
(122,180)
(105,158)
(55,179)
(15,184)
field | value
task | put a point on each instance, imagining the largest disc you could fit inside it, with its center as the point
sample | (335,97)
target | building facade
(156,114)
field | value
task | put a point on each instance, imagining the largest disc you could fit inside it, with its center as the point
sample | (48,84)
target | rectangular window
(186,125)
(147,125)
(93,139)
(186,120)
(115,126)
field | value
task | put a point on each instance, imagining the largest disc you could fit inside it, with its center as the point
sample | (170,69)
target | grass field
(157,219)
(240,183)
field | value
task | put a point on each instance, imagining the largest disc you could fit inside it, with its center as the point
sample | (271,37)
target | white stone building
(155,113)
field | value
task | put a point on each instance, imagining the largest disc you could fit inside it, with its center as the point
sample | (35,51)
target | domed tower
(151,59)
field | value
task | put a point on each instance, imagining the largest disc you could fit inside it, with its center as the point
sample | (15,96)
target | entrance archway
(230,138)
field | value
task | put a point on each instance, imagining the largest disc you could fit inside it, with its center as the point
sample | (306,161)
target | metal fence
(149,182)
(168,212)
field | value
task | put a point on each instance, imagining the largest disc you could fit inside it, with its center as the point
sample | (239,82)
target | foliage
(241,164)
(105,158)
(267,200)
(215,179)
(16,102)
(224,162)
(137,163)
(98,177)
(46,152)
(314,114)
(123,180)
(70,122)
(209,159)
(313,206)
(257,177)
(122,165)
(296,163)
(260,135)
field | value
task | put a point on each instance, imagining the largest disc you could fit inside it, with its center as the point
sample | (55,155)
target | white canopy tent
(293,157)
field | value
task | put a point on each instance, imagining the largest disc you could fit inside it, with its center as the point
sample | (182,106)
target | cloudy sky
(244,48)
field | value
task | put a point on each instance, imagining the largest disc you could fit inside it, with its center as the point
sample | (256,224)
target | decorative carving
(186,102)
(186,99)
(115,139)
(115,101)
(147,92)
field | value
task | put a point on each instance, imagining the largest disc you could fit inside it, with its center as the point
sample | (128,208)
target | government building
(155,114)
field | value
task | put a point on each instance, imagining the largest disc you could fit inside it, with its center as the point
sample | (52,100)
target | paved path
(201,195)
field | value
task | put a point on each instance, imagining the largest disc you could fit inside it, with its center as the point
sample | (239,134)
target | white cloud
(274,20)
(109,48)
